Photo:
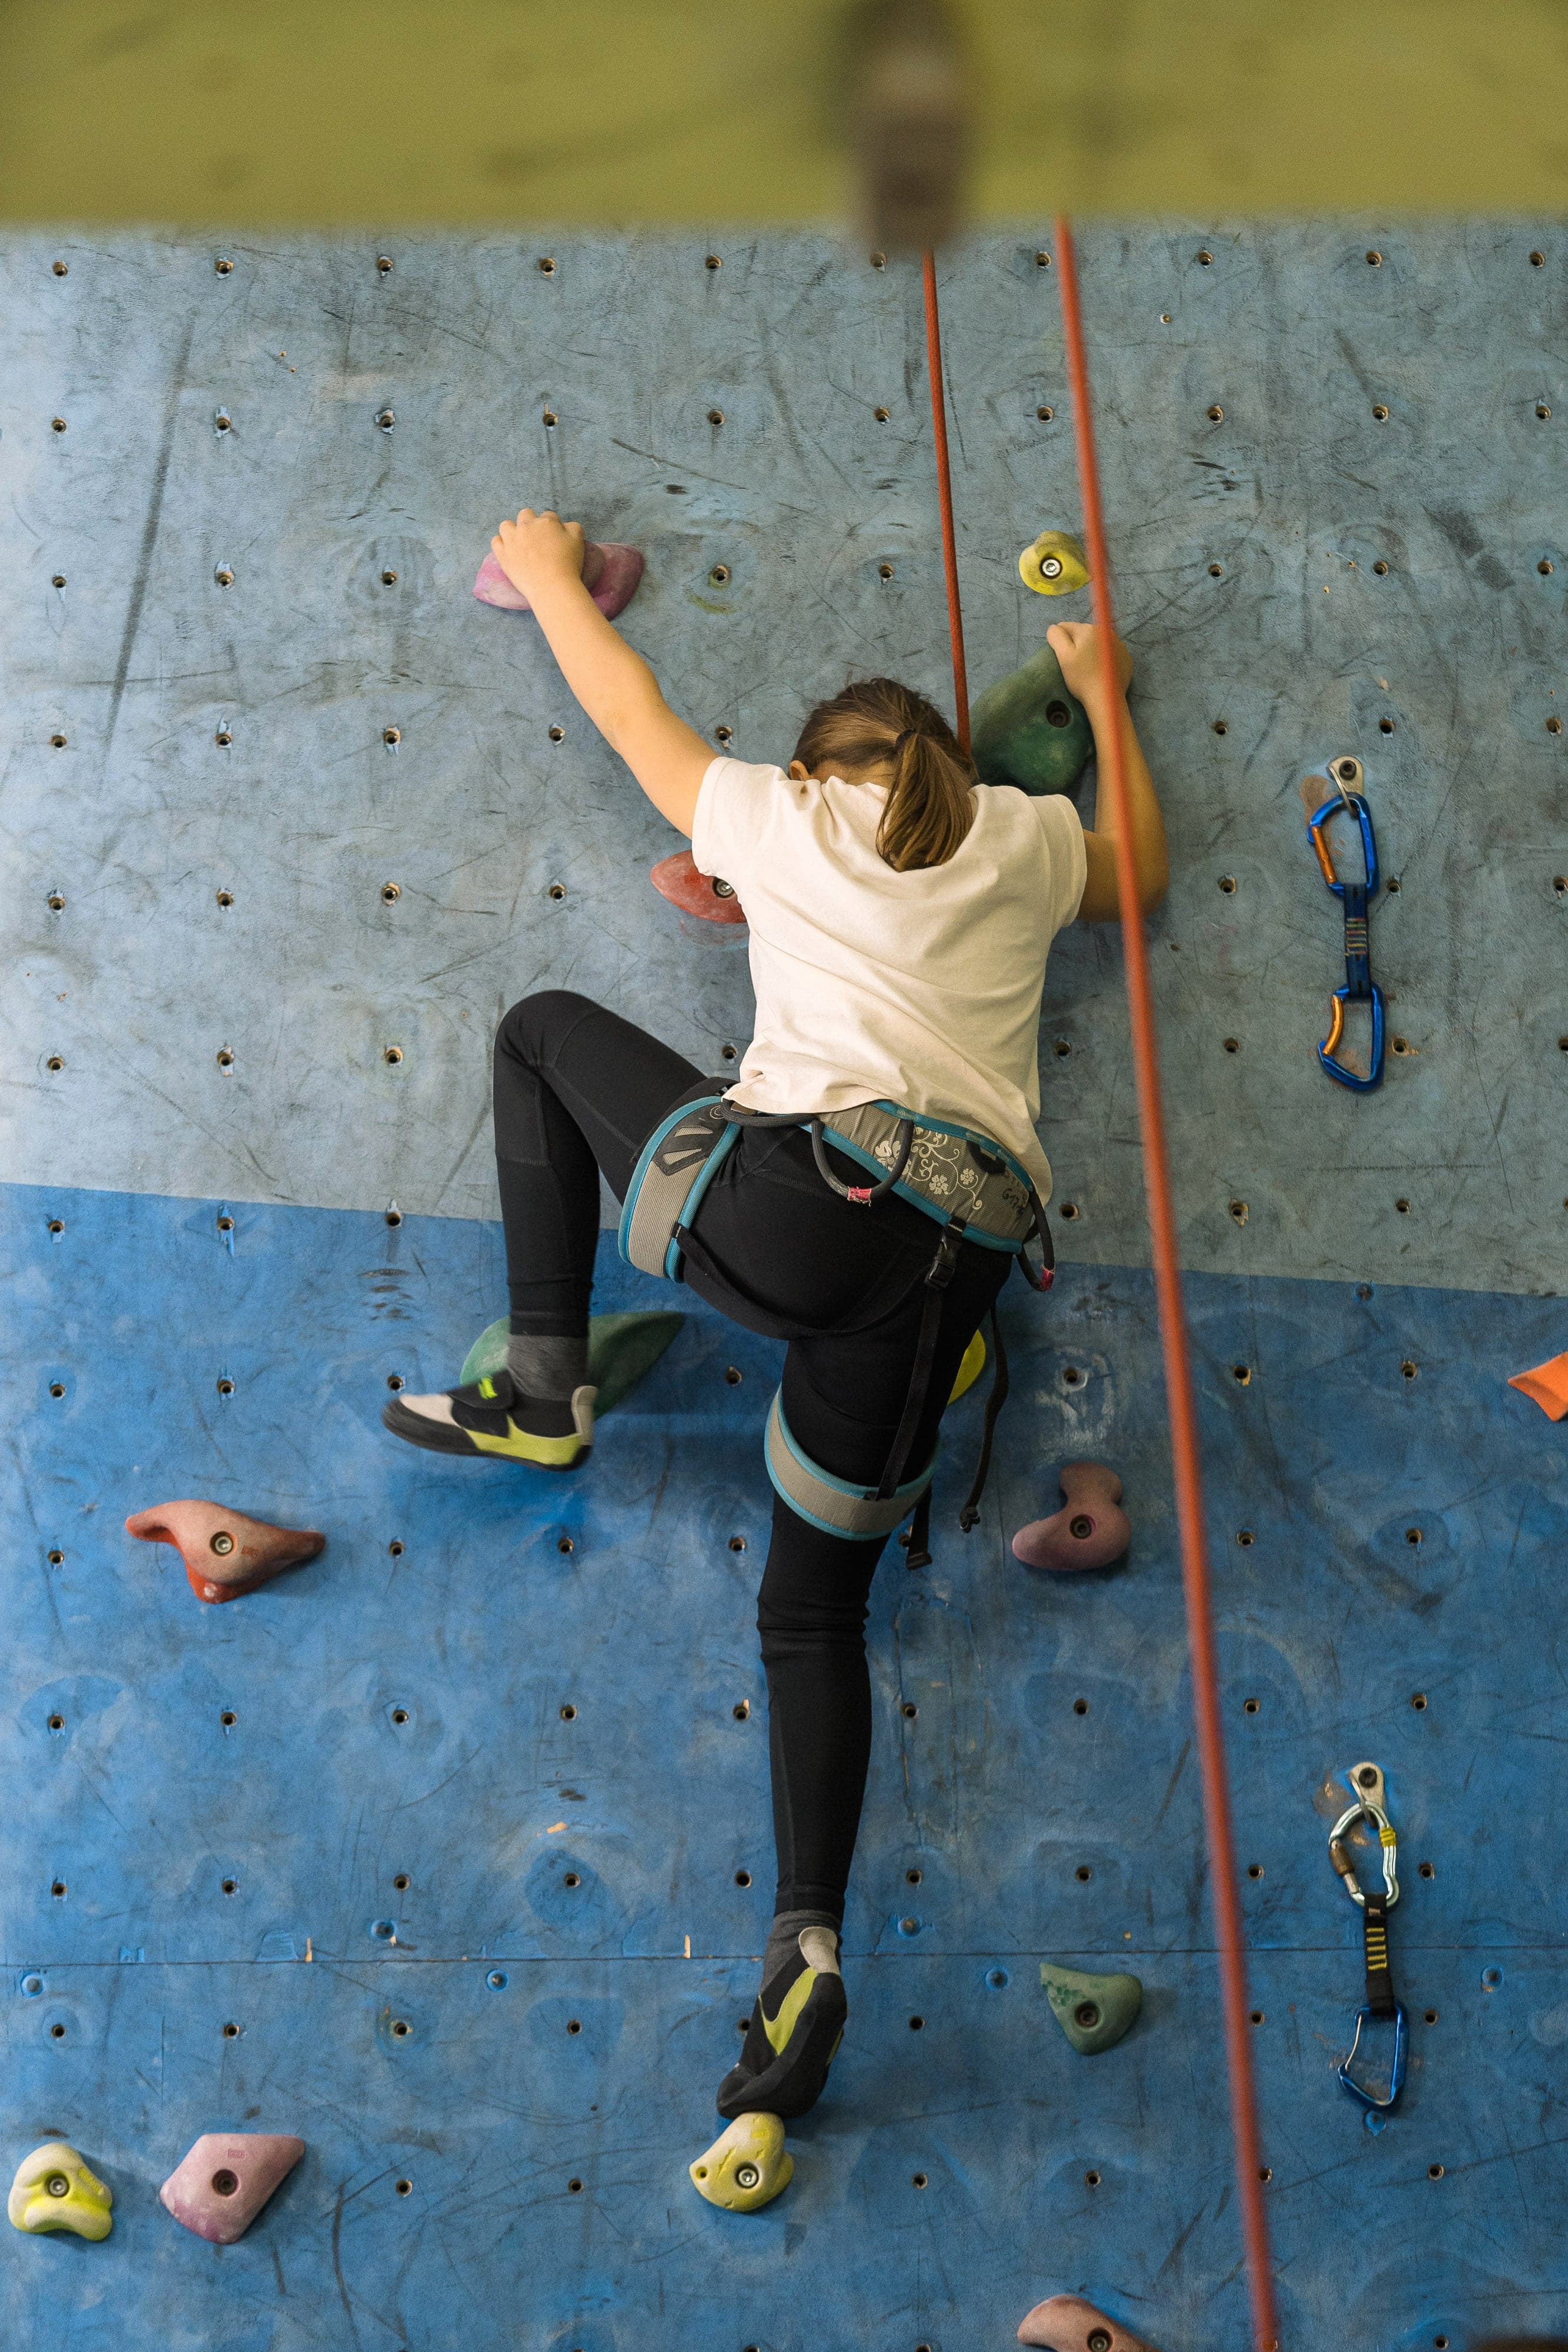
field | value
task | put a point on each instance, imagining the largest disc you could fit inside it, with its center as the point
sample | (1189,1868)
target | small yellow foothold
(748,2164)
(1055,565)
(969,1371)
(55,2190)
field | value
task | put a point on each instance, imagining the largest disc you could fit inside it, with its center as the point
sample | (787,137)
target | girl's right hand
(539,550)
(1076,645)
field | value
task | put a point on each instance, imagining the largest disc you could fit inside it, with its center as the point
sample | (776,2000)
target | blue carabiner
(1375,2108)
(1359,988)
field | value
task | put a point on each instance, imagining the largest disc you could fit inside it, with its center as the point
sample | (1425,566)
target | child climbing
(900,915)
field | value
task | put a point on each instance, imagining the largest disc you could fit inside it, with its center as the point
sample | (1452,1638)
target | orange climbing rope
(1183,1413)
(944,494)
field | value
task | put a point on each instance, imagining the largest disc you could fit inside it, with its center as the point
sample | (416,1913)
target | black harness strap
(938,1274)
(1380,1998)
(994,1403)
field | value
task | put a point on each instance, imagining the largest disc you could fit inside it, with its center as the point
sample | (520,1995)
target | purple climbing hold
(1066,2323)
(610,575)
(1090,1530)
(225,2181)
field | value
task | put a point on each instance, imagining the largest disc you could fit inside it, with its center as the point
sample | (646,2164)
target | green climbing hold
(1028,730)
(621,1348)
(1093,2012)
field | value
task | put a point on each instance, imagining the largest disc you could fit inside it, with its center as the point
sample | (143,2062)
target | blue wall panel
(655,1795)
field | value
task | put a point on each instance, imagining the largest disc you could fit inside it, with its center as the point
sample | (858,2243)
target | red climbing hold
(224,1552)
(219,2190)
(610,575)
(1068,2324)
(676,878)
(1090,1530)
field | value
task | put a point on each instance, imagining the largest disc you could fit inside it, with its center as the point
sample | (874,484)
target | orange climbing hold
(224,1552)
(1066,2323)
(1548,1384)
(677,879)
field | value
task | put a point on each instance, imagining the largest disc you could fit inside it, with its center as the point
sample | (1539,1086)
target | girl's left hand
(539,550)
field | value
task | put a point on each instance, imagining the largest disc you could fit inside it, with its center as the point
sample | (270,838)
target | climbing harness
(973,1188)
(1364,1783)
(1359,988)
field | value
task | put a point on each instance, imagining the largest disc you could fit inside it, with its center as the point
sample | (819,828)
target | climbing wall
(450,1852)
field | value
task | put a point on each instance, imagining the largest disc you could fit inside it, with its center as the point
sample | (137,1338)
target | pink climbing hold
(610,575)
(1090,1530)
(221,2186)
(677,879)
(1066,2323)
(224,1552)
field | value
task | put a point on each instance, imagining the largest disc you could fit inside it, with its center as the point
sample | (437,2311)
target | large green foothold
(1028,730)
(1093,2012)
(56,2190)
(621,1348)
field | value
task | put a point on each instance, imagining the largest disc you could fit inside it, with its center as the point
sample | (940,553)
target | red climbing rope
(1183,1413)
(944,493)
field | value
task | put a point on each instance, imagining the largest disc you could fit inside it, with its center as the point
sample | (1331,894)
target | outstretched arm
(542,556)
(1076,647)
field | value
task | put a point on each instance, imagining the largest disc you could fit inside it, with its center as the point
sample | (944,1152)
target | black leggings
(578,1092)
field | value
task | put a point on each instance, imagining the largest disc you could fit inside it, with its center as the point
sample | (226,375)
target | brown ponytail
(875,722)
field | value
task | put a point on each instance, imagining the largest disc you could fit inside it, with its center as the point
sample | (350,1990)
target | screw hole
(1401,1046)
(916,2025)
(1092,2181)
(59,1890)
(1434,2172)
(1553,725)
(1215,414)
(732,1377)
(1045,415)
(1241,1374)
(229,1886)
(1250,1706)
(713,261)
(1069,1211)
(1233,1045)
(225,1059)
(391,736)
(57,424)
(737,1543)
(881,415)
(400,1715)
(1221,727)
(389,578)
(1374,260)
(401,2028)
(226,1388)
(57,1723)
(884,570)
(223,422)
(724,734)
(564,1544)
(1080,1706)
(1425,1870)
(1227,884)
(741,1709)
(1418,1701)
(57,1225)
(1216,571)
(743,1877)
(1386,726)
(918,2179)
(59,742)
(1380,412)
(56,2033)
(1084,1873)
(1071,1375)
(231,2032)
(1402,1207)
(572,1878)
(226,897)
(1408,1370)
(913,1877)
(1381,568)
(715,416)
(1255,2016)
(223,265)
(61,268)
(1043,261)
(1244,1537)
(909,1710)
(228,1718)
(1412,1535)
(1205,260)
(394,1216)
(223,736)
(55,1559)
(1266,2174)
(392,1054)
(56,1388)
(1542,411)
(1430,2015)
(224,576)
(569,1713)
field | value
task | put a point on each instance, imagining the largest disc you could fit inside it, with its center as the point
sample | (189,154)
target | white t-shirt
(921,988)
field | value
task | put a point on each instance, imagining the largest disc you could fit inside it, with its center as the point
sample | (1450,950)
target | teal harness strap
(836,1505)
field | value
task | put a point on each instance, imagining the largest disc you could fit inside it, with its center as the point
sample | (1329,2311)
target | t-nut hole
(569,1713)
(1250,1706)
(1380,412)
(1241,1374)
(1092,2181)
(1381,568)
(743,1877)
(741,1709)
(1080,1706)
(881,415)
(392,1054)
(401,2028)
(390,893)
(1084,1873)
(572,1879)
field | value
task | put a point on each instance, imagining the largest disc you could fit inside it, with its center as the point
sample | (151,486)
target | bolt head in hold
(257,1551)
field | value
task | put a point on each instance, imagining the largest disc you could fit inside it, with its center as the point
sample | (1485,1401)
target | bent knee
(533,1028)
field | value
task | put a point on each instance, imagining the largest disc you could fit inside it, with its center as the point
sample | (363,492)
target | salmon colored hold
(225,1553)
(1067,2323)
(1090,1530)
(676,878)
(610,575)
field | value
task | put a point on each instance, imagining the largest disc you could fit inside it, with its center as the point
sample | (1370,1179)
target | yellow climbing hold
(1055,565)
(55,2190)
(748,2165)
(969,1371)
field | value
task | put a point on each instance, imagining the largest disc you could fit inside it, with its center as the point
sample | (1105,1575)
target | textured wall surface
(1387,1516)
(1296,645)
(996,1790)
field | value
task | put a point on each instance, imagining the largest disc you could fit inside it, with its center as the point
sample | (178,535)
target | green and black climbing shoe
(794,2034)
(492,1418)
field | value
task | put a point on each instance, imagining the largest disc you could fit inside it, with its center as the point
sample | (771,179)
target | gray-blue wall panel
(1246,548)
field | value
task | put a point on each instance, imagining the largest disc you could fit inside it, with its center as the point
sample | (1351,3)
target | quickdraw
(1359,988)
(1380,2007)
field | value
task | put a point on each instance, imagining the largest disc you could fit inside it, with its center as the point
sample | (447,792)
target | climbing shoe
(793,2034)
(491,1418)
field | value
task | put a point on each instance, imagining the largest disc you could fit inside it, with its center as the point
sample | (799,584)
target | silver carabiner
(1366,1781)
